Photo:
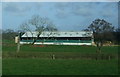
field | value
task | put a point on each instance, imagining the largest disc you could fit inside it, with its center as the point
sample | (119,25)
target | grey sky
(66,16)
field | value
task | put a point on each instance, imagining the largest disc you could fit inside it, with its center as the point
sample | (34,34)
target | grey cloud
(87,8)
(20,9)
(62,10)
(37,6)
(61,14)
(110,5)
(108,14)
(61,5)
(75,8)
(111,10)
(82,11)
(12,7)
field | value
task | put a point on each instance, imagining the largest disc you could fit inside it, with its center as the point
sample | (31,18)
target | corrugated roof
(59,34)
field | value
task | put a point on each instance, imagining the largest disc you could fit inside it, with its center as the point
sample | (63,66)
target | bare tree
(26,28)
(38,24)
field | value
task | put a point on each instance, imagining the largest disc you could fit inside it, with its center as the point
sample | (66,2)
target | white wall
(47,43)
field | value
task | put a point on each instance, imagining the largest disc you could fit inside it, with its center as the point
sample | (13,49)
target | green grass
(60,48)
(10,46)
(44,65)
(59,67)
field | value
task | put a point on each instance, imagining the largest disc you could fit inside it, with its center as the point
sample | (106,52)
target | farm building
(58,38)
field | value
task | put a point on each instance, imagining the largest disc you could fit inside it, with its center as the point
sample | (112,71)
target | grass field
(9,46)
(45,65)
(59,67)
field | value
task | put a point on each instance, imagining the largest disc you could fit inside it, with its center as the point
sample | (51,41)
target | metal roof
(59,34)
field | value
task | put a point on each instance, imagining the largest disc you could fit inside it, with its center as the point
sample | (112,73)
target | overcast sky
(67,16)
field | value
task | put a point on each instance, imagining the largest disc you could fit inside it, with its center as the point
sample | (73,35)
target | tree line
(103,31)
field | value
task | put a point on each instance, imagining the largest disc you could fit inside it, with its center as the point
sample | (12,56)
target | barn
(58,38)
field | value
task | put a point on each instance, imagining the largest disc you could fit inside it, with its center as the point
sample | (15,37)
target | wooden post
(18,43)
(109,57)
(99,45)
(53,56)
(18,47)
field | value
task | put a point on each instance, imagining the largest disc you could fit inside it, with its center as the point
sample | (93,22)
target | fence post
(18,42)
(18,47)
(109,57)
(53,56)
